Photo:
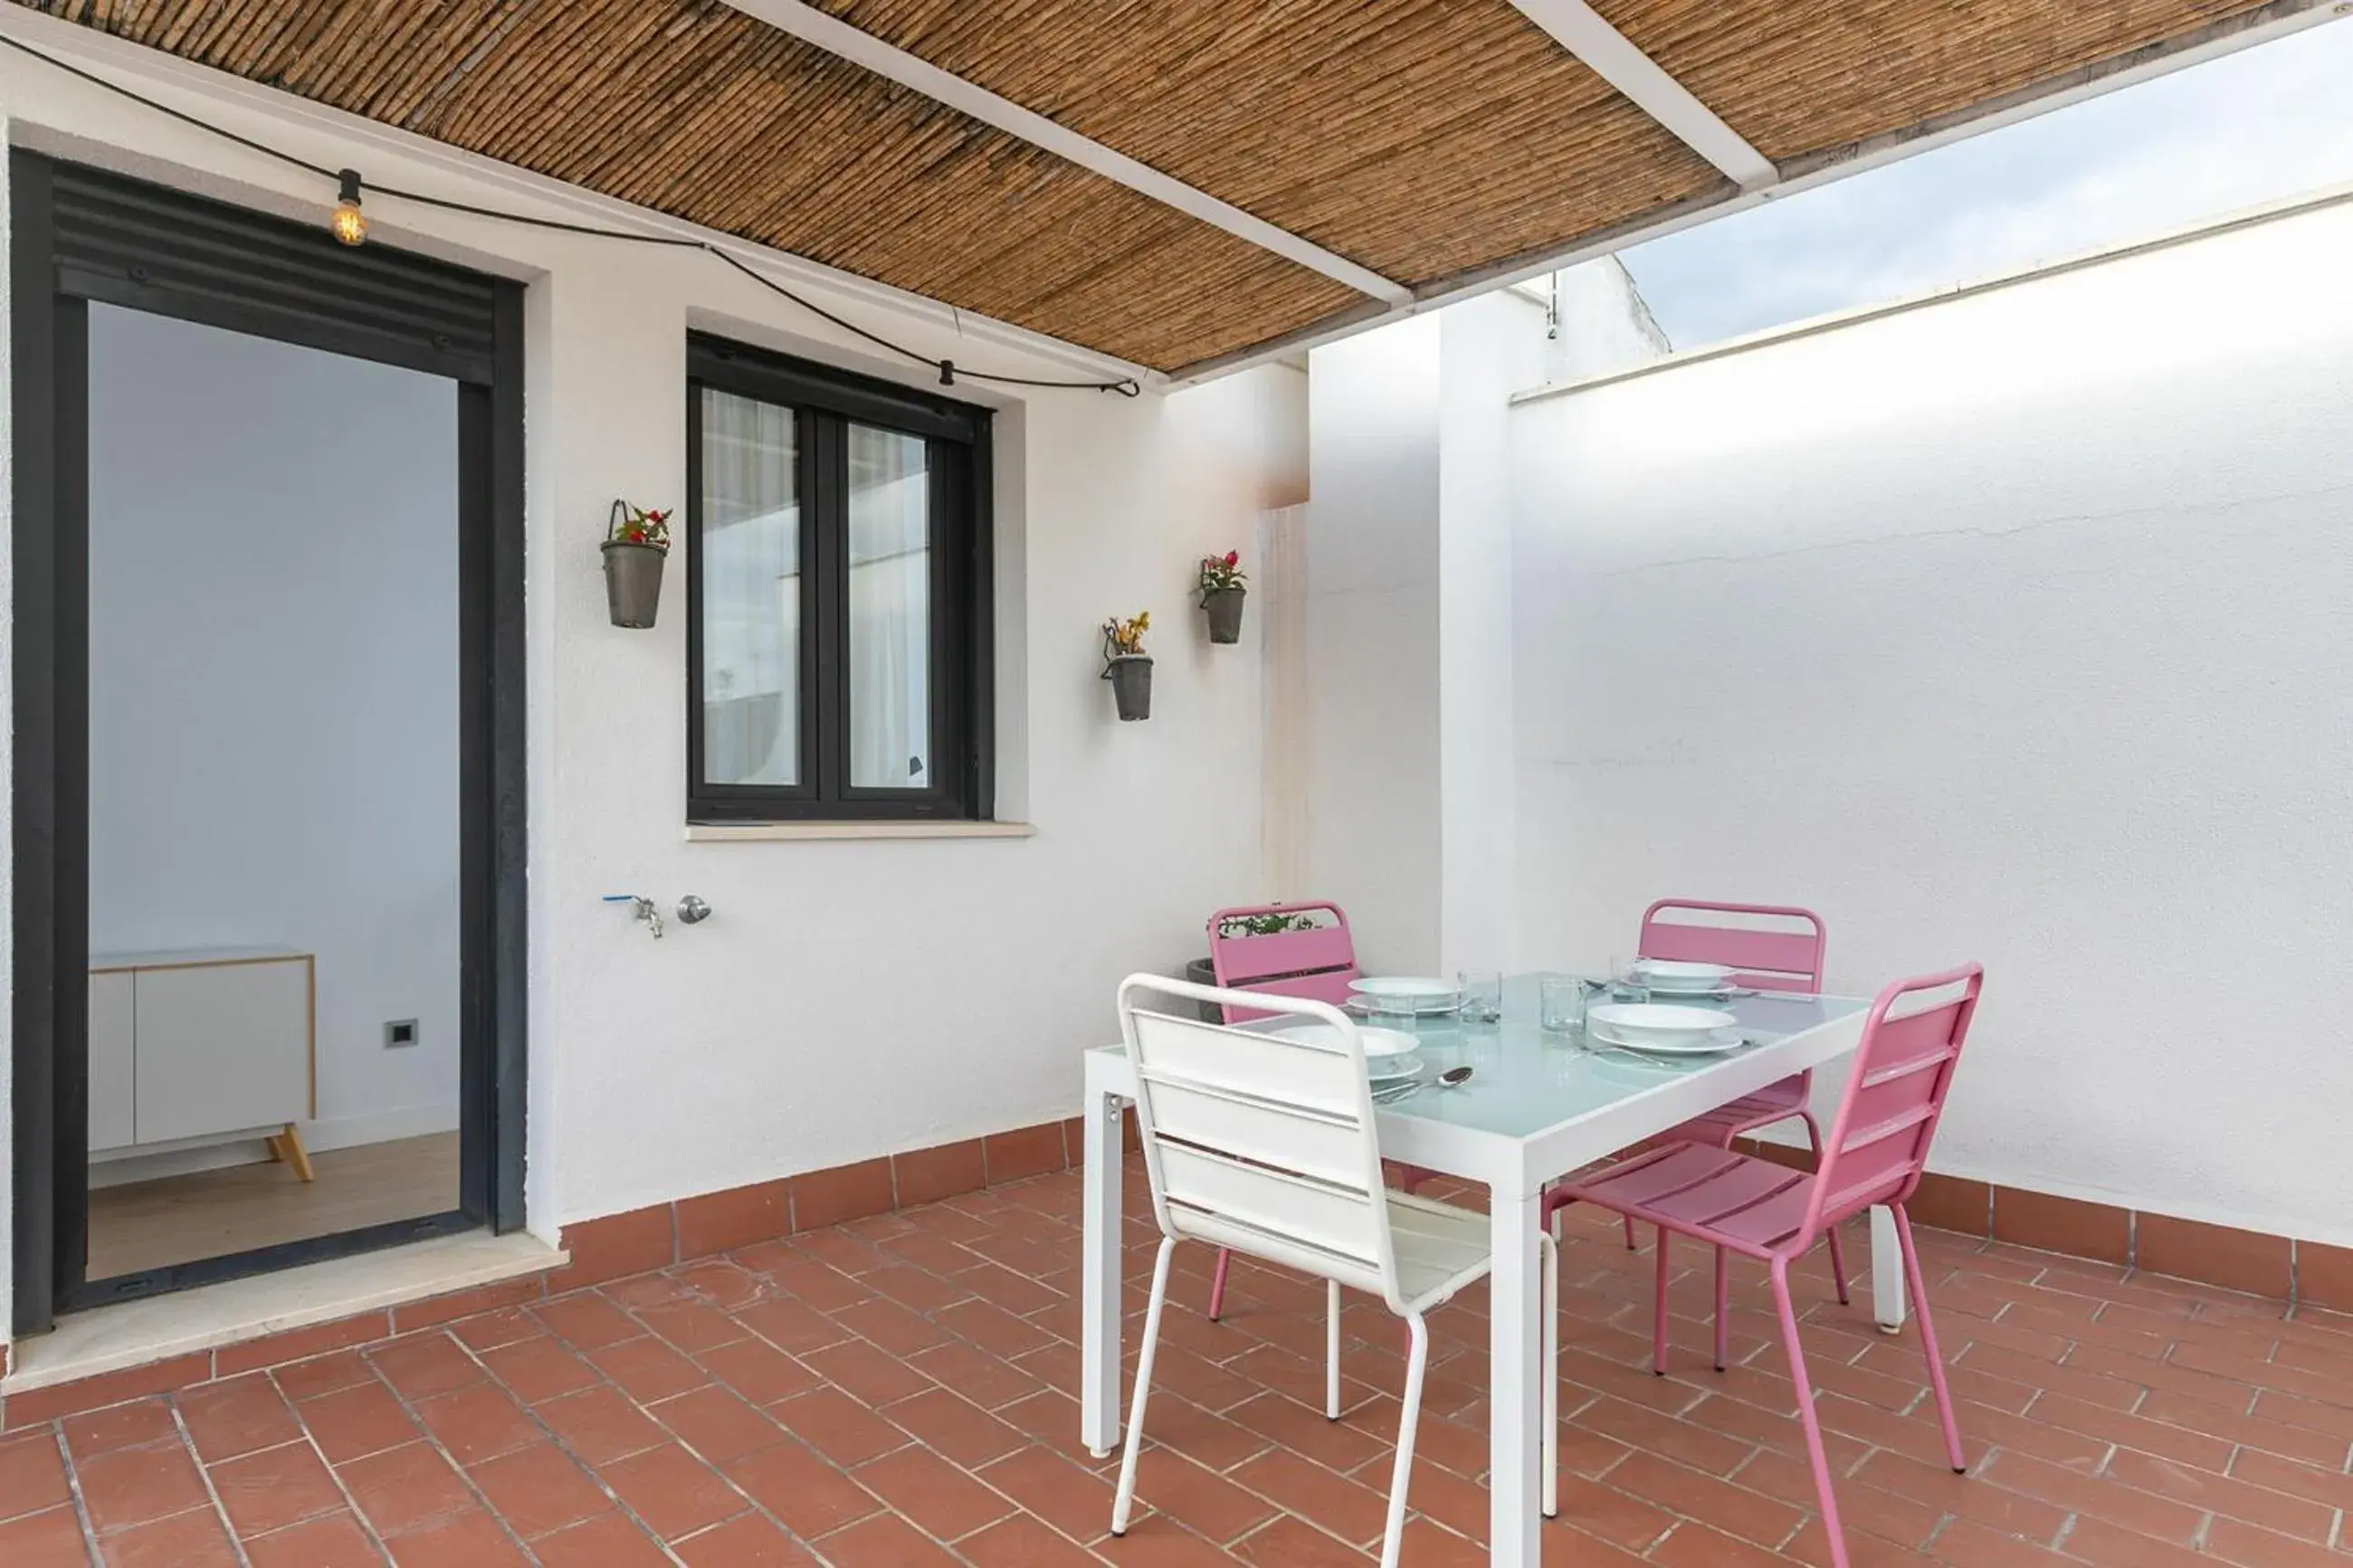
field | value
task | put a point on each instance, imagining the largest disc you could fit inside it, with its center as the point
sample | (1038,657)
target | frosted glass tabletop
(1524,1079)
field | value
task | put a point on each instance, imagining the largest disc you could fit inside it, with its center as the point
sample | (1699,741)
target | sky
(2251,127)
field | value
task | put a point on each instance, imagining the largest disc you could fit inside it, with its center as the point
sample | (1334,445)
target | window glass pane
(889,611)
(749,553)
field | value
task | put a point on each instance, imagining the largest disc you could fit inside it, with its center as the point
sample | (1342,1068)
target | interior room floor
(179,1219)
(899,1393)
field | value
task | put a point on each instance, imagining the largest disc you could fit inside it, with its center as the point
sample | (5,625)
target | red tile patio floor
(899,1392)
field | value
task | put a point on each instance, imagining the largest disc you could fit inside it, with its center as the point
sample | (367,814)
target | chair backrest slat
(1252,958)
(1328,1217)
(1280,1069)
(1226,1123)
(1894,1126)
(1317,961)
(1330,988)
(1775,947)
(1878,1145)
(1226,1230)
(1260,1141)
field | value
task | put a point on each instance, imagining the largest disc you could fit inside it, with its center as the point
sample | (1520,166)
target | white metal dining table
(1537,1106)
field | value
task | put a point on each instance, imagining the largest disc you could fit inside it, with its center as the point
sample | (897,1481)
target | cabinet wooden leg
(287,1146)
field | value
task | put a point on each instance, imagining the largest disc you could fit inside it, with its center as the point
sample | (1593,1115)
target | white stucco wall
(1603,323)
(1371,605)
(2013,628)
(1491,346)
(847,999)
(1408,785)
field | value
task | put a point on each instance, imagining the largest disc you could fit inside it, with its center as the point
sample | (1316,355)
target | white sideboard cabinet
(206,1045)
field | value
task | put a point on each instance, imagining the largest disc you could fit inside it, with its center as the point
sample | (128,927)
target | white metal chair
(1263,1141)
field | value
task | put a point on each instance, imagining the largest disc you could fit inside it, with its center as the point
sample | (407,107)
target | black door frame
(78,235)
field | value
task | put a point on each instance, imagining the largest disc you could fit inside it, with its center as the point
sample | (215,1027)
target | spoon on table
(1450,1078)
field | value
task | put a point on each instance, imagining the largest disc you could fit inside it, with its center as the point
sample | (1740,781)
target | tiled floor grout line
(73,1490)
(1227,1473)
(752,1503)
(367,1525)
(2066,1529)
(409,1407)
(212,1493)
(595,1473)
(814,1545)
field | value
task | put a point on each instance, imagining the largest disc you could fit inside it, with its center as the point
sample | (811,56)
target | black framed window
(837,594)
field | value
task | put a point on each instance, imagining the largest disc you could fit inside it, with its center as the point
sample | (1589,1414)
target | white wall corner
(1489,347)
(1372,707)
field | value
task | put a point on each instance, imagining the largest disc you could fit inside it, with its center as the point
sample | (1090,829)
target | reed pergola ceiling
(1352,157)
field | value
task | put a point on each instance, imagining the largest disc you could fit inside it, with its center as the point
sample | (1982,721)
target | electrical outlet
(398,1033)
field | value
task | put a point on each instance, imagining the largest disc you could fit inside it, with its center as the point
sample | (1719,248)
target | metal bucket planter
(1130,675)
(1224,606)
(633,575)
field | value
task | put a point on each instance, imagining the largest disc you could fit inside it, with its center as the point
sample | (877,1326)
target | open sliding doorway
(268,786)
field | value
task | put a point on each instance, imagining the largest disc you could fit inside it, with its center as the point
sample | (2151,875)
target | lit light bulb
(346,222)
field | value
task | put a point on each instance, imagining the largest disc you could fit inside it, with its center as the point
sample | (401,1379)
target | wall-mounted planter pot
(633,575)
(1224,609)
(1130,675)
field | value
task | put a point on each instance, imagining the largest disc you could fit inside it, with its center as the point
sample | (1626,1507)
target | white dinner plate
(1392,1069)
(1421,992)
(1379,1043)
(1705,1045)
(1641,1025)
(1682,979)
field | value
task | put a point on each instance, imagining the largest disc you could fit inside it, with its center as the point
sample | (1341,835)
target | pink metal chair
(1316,962)
(1878,1145)
(1780,948)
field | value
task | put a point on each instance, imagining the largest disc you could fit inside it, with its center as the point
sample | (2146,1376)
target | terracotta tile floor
(899,1392)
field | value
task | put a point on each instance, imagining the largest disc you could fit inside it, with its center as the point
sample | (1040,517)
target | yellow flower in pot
(1127,667)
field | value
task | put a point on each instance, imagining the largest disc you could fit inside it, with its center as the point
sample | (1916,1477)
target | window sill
(757,832)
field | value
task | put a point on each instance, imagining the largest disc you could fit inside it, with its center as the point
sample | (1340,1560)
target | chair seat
(1439,1248)
(1774,1103)
(1738,1201)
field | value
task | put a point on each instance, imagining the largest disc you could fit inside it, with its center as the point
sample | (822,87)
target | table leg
(1515,1396)
(1886,1272)
(1099,1349)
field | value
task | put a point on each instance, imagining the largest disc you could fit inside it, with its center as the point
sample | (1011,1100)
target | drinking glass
(1393,1012)
(1482,994)
(1623,986)
(1560,1003)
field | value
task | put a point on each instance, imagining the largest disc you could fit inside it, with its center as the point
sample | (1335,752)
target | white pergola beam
(839,37)
(2273,19)
(1581,29)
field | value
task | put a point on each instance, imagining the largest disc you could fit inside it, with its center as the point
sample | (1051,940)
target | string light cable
(348,226)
